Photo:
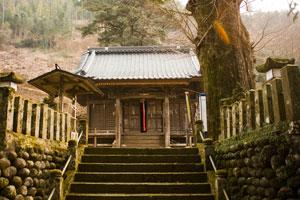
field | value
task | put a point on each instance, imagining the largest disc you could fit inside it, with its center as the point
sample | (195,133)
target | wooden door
(131,116)
(154,116)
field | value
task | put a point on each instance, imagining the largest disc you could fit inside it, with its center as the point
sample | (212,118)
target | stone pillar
(51,124)
(291,91)
(57,178)
(228,121)
(44,121)
(36,112)
(222,122)
(278,100)
(27,117)
(268,104)
(242,116)
(220,184)
(63,127)
(167,126)
(209,150)
(234,119)
(57,125)
(118,122)
(72,148)
(6,107)
(251,109)
(259,108)
(18,114)
(68,130)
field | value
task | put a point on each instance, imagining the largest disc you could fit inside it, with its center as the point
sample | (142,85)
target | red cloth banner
(143,116)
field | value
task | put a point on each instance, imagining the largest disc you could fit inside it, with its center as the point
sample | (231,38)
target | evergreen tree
(126,22)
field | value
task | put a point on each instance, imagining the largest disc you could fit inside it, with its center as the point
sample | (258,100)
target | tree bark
(227,69)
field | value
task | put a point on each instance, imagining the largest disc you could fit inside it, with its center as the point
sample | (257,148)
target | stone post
(291,91)
(6,110)
(72,148)
(57,178)
(209,151)
(278,100)
(242,115)
(259,108)
(251,109)
(220,184)
(268,104)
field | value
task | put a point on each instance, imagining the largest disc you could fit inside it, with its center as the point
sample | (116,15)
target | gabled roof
(139,63)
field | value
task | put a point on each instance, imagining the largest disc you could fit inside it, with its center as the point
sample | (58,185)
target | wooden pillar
(278,101)
(35,124)
(51,124)
(167,124)
(268,104)
(18,114)
(118,122)
(291,91)
(44,121)
(27,117)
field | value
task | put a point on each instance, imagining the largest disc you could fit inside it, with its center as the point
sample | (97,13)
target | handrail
(65,168)
(214,166)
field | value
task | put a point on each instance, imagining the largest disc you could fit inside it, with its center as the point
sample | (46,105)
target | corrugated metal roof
(118,63)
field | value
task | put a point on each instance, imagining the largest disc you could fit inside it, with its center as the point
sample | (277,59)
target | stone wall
(264,164)
(27,165)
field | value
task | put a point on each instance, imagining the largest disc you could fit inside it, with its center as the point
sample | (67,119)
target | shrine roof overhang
(59,81)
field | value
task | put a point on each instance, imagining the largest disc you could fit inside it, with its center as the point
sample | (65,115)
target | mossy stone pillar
(56,176)
(6,110)
(251,121)
(8,86)
(220,184)
(278,100)
(291,91)
(268,104)
(72,148)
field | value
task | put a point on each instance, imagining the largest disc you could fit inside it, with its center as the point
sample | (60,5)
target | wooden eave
(58,80)
(145,82)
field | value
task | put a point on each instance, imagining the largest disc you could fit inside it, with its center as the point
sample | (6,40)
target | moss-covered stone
(17,181)
(4,163)
(274,63)
(3,182)
(9,192)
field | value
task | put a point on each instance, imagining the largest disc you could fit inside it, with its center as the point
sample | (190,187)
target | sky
(266,5)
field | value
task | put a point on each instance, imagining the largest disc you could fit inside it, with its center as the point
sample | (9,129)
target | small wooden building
(144,95)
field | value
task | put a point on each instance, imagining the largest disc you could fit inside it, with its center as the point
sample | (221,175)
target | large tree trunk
(226,68)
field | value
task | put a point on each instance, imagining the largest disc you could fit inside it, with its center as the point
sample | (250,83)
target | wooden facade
(116,119)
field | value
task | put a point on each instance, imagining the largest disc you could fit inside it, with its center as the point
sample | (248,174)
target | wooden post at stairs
(118,122)
(167,126)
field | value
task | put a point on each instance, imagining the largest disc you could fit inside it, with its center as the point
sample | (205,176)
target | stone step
(73,196)
(140,167)
(139,188)
(140,151)
(141,177)
(100,158)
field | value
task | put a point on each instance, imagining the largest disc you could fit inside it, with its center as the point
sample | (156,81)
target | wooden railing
(38,120)
(275,101)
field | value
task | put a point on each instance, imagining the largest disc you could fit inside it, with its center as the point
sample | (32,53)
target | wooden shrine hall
(135,96)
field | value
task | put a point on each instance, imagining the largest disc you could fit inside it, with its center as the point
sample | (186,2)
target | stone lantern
(272,67)
(10,80)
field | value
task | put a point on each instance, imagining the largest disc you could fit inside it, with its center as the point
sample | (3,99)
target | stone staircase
(140,174)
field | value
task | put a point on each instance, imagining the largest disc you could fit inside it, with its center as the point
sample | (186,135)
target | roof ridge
(141,49)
